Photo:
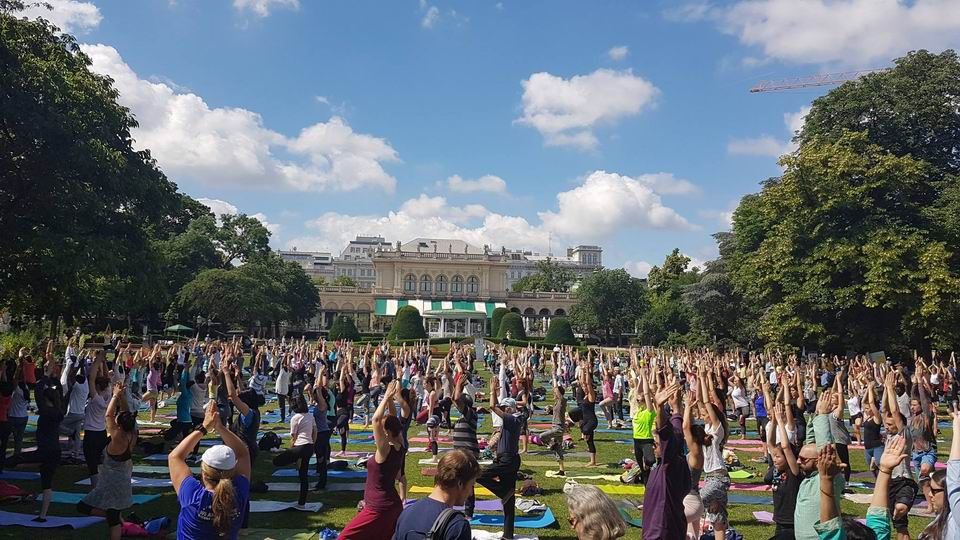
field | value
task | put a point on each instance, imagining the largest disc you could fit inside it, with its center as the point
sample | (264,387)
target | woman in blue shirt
(212,507)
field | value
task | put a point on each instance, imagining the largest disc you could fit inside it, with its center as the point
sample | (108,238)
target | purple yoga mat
(483,505)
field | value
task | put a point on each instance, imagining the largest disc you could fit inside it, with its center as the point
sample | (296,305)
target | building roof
(444,245)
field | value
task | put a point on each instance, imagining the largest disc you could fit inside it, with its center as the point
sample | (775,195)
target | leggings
(113,515)
(283,406)
(18,425)
(93,444)
(643,451)
(587,429)
(321,448)
(843,452)
(343,426)
(49,460)
(501,479)
(291,455)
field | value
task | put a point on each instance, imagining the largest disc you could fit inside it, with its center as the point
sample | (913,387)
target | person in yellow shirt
(644,418)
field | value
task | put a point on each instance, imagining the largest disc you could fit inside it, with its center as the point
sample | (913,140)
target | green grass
(340,507)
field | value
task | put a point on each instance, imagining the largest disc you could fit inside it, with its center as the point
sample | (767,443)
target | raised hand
(829,464)
(893,454)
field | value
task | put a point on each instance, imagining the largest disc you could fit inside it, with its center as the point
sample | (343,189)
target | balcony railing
(542,295)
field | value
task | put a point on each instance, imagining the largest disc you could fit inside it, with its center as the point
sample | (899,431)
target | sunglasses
(934,490)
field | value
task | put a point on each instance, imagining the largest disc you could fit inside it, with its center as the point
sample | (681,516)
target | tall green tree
(228,296)
(667,314)
(78,205)
(551,276)
(241,238)
(608,303)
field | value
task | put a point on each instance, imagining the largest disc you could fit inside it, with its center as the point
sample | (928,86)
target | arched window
(456,285)
(441,285)
(410,283)
(473,285)
(426,284)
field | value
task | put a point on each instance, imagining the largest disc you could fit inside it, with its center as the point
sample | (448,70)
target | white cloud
(603,204)
(618,53)
(668,184)
(768,145)
(487,183)
(261,8)
(565,111)
(71,16)
(721,217)
(845,32)
(431,17)
(637,269)
(608,202)
(232,146)
(221,208)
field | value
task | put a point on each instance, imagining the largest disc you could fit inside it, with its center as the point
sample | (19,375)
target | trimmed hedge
(512,323)
(560,332)
(497,316)
(343,328)
(408,324)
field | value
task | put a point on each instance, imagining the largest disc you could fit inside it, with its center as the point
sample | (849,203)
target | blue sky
(516,123)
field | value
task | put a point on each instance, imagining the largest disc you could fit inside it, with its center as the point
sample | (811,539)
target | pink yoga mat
(427,439)
(740,486)
(744,442)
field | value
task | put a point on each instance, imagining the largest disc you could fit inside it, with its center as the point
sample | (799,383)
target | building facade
(455,285)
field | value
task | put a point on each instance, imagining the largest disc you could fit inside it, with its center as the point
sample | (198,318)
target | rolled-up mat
(276,506)
(53,522)
(537,521)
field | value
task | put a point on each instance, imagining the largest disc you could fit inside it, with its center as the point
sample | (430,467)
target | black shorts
(902,491)
(854,418)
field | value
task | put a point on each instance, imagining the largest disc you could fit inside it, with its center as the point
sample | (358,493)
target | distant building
(356,260)
(314,263)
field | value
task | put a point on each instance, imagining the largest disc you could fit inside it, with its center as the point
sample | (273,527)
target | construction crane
(810,81)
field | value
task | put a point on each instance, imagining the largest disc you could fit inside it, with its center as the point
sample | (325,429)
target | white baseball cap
(220,457)
(508,403)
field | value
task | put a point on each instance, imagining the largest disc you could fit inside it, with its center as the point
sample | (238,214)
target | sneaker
(561,473)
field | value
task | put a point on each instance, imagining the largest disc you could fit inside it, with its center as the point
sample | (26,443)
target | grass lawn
(339,507)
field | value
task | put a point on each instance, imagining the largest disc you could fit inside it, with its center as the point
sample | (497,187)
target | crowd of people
(682,407)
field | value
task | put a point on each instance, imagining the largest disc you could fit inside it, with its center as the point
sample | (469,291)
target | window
(410,283)
(473,285)
(426,284)
(441,285)
(456,285)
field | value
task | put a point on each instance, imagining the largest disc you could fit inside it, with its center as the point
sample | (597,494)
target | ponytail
(224,498)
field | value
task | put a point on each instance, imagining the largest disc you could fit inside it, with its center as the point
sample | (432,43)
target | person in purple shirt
(669,481)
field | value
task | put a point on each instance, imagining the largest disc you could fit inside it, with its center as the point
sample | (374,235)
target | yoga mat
(156,457)
(607,477)
(497,535)
(427,440)
(521,522)
(859,498)
(566,464)
(276,506)
(623,431)
(632,521)
(744,442)
(744,498)
(347,475)
(64,497)
(477,490)
(137,482)
(743,486)
(740,475)
(565,454)
(331,486)
(275,534)
(53,522)
(19,475)
(621,489)
(158,469)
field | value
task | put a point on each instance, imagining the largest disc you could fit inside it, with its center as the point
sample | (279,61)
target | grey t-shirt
(559,411)
(509,443)
(903,470)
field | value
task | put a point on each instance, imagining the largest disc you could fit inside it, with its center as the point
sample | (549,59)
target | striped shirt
(465,430)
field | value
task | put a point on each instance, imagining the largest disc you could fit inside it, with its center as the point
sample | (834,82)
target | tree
(227,296)
(673,275)
(550,277)
(667,317)
(241,237)
(343,328)
(495,319)
(560,332)
(78,205)
(296,297)
(344,281)
(512,324)
(407,324)
(319,281)
(608,302)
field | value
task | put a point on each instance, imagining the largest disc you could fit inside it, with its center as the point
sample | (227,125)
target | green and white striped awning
(389,306)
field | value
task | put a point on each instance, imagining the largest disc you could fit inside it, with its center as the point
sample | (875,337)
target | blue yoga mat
(521,522)
(53,522)
(347,475)
(19,475)
(156,457)
(743,498)
(64,497)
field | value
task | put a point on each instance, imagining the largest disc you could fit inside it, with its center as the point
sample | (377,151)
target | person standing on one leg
(303,433)
(501,477)
(465,430)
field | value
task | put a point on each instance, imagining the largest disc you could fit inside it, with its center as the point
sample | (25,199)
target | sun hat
(220,457)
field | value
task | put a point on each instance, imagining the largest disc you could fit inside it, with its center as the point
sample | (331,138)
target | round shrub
(512,323)
(343,328)
(497,316)
(560,332)
(408,324)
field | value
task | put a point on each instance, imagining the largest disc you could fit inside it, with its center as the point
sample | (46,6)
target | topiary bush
(408,324)
(343,328)
(512,323)
(497,316)
(560,332)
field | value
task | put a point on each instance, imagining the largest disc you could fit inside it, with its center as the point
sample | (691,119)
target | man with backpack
(433,517)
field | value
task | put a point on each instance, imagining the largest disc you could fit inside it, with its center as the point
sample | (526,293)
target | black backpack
(439,529)
(268,441)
